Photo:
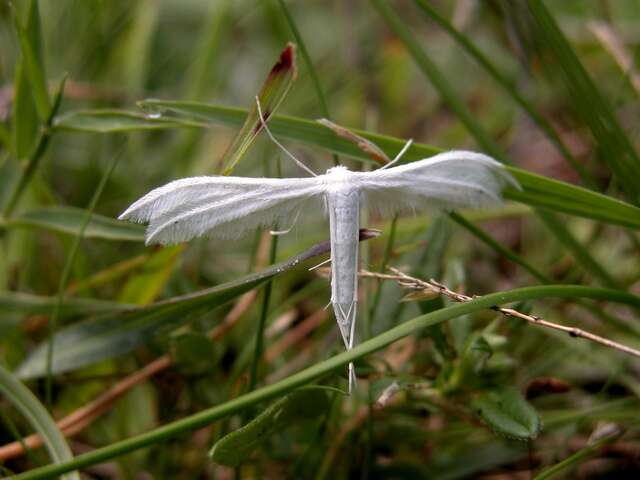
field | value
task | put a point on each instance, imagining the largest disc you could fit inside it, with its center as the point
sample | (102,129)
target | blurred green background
(548,87)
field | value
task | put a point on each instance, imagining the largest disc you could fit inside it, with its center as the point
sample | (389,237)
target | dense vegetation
(498,343)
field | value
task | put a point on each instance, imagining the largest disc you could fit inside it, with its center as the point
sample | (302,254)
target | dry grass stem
(432,286)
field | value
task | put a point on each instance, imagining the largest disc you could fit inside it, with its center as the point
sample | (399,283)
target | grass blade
(588,101)
(582,256)
(438,80)
(538,191)
(69,220)
(38,418)
(510,88)
(30,47)
(116,334)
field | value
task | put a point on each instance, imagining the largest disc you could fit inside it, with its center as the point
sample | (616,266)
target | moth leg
(273,139)
(399,155)
(324,262)
(352,369)
(284,232)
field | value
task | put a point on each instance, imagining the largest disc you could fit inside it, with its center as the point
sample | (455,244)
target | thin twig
(433,286)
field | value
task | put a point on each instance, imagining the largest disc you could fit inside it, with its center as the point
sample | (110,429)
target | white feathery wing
(230,206)
(450,180)
(219,206)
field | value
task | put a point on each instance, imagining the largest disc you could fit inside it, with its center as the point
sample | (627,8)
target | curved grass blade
(29,304)
(268,392)
(38,418)
(118,333)
(538,191)
(68,220)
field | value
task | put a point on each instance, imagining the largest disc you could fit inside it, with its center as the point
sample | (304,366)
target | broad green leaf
(537,190)
(508,413)
(115,334)
(69,219)
(274,89)
(27,303)
(38,417)
(237,447)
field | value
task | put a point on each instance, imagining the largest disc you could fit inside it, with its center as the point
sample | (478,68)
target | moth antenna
(273,139)
(400,154)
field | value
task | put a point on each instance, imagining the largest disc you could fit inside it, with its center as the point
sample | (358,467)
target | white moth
(228,207)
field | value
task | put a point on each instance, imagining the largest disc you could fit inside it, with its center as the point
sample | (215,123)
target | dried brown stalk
(433,286)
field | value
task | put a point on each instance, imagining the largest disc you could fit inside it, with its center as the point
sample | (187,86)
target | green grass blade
(206,417)
(538,191)
(68,220)
(38,417)
(576,459)
(66,272)
(36,154)
(509,87)
(582,256)
(498,247)
(438,80)
(30,40)
(116,334)
(589,102)
(30,304)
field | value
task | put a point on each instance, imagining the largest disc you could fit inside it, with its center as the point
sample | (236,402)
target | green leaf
(537,191)
(508,413)
(69,219)
(38,418)
(29,304)
(274,89)
(115,334)
(236,447)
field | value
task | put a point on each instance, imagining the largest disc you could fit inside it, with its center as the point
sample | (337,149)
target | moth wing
(218,206)
(447,181)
